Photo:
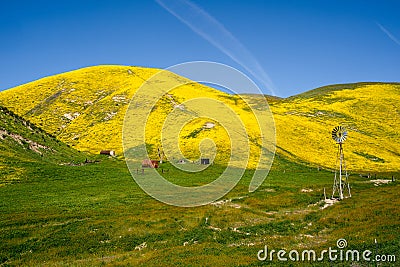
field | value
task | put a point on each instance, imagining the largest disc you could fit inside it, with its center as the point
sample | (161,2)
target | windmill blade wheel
(339,134)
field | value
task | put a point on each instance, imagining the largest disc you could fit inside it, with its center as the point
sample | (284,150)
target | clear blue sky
(300,45)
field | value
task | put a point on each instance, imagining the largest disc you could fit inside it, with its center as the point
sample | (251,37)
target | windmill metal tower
(340,183)
(160,154)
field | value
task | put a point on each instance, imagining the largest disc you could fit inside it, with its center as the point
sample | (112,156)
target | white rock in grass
(141,246)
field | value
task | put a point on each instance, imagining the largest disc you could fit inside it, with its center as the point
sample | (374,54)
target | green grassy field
(95,214)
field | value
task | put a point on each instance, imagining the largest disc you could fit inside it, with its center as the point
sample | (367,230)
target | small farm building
(147,163)
(204,161)
(107,152)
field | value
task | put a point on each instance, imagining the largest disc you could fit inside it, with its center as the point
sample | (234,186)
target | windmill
(160,155)
(340,183)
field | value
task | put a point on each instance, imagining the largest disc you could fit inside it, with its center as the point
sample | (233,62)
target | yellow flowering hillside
(369,111)
(86,108)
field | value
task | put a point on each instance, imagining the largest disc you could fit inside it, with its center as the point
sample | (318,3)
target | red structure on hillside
(147,163)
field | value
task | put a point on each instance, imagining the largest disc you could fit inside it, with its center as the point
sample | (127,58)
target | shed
(154,163)
(204,161)
(147,163)
(107,152)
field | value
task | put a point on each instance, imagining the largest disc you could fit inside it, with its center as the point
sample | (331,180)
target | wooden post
(142,171)
(324,194)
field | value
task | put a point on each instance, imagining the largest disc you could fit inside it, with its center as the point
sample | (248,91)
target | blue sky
(297,45)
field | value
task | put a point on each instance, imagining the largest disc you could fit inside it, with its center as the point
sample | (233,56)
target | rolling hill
(22,143)
(85,108)
(368,110)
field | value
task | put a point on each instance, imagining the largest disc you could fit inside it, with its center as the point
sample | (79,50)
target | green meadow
(96,215)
